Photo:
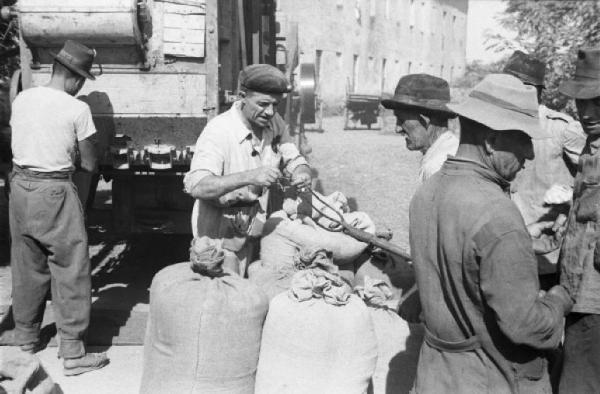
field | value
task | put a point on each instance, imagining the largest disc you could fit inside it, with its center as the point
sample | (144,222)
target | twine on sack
(206,258)
(318,279)
(376,293)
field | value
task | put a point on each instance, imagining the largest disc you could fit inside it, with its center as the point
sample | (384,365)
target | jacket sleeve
(510,286)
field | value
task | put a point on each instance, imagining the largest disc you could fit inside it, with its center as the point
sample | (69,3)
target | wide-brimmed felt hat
(264,78)
(422,92)
(526,68)
(586,82)
(77,58)
(502,102)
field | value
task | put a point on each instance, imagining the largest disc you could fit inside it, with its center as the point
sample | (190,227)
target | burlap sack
(203,333)
(318,338)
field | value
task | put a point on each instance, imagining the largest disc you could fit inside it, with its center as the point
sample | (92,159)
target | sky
(481,18)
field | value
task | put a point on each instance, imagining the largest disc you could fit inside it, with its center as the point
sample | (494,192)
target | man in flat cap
(579,259)
(419,104)
(487,325)
(551,171)
(52,135)
(238,156)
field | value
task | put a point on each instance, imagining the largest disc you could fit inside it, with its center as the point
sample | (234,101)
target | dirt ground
(371,167)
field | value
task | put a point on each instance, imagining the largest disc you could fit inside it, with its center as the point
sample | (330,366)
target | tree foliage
(552,31)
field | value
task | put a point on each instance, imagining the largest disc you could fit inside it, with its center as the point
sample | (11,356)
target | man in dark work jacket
(487,323)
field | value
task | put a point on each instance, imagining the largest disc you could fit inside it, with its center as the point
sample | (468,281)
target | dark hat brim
(578,89)
(75,69)
(526,78)
(419,106)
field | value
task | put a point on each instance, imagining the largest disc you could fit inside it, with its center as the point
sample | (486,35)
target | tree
(551,31)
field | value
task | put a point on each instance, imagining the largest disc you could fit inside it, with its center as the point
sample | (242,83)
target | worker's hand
(264,176)
(301,177)
(564,296)
(536,229)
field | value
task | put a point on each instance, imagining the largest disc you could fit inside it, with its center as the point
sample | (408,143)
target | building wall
(365,46)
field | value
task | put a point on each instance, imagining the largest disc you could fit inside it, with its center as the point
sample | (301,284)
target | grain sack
(318,337)
(271,279)
(391,331)
(204,327)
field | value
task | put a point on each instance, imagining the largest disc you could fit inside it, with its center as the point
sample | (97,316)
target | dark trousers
(49,252)
(581,364)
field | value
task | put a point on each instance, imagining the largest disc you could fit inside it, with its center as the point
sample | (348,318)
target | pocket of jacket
(588,204)
(532,370)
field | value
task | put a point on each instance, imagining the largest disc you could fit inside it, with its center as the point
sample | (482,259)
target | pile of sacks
(286,233)
(209,330)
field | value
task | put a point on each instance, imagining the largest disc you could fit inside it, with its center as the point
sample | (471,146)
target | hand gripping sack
(391,331)
(204,328)
(318,337)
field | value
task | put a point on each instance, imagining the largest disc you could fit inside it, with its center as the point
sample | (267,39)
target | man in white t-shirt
(52,135)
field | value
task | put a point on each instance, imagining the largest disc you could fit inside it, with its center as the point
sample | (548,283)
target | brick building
(367,45)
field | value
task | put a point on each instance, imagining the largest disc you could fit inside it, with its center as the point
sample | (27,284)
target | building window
(340,62)
(318,56)
(442,71)
(278,5)
(412,14)
(451,76)
(383,66)
(409,68)
(354,86)
(372,8)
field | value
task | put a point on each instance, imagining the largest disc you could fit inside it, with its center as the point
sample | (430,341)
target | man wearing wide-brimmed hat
(487,324)
(419,104)
(552,170)
(238,156)
(52,135)
(579,260)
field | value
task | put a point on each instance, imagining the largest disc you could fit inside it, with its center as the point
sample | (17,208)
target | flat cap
(264,78)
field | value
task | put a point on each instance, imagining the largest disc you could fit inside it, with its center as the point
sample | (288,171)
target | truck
(165,68)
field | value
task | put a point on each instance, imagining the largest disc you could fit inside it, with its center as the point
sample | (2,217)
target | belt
(466,345)
(41,176)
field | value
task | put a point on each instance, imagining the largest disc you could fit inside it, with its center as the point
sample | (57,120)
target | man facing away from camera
(487,323)
(419,104)
(238,156)
(552,171)
(52,135)
(579,259)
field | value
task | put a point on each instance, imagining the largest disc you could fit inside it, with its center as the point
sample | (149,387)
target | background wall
(367,45)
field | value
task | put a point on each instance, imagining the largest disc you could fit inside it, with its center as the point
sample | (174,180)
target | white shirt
(46,125)
(445,145)
(227,146)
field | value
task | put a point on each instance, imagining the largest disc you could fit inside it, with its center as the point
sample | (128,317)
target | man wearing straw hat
(487,323)
(419,104)
(52,135)
(579,260)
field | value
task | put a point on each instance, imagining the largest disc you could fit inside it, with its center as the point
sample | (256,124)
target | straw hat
(586,82)
(422,92)
(77,58)
(503,102)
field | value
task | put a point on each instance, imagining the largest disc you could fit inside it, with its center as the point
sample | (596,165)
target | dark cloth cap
(526,68)
(422,92)
(264,78)
(76,57)
(586,82)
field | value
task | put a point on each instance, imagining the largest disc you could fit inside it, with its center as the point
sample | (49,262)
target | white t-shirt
(46,125)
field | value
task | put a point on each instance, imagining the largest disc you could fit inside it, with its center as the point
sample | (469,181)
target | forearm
(211,187)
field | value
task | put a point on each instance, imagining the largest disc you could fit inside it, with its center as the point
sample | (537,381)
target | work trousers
(49,252)
(581,363)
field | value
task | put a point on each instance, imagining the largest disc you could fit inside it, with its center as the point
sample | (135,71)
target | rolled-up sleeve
(509,284)
(209,157)
(289,151)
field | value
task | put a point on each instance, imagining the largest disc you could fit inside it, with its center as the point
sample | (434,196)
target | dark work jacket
(478,282)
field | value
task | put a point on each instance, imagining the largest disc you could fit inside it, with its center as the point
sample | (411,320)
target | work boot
(89,362)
